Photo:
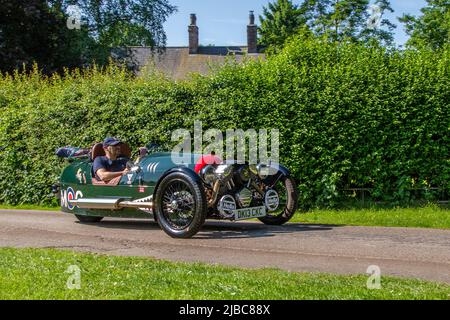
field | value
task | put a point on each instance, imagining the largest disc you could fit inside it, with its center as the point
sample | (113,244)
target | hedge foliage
(349,116)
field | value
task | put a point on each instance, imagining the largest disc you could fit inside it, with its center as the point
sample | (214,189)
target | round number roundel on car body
(70,196)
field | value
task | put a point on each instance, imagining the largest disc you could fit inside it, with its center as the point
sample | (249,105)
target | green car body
(76,182)
(163,188)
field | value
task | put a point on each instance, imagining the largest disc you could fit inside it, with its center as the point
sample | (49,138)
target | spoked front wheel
(180,205)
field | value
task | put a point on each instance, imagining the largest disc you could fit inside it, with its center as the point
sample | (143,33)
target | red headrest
(97,151)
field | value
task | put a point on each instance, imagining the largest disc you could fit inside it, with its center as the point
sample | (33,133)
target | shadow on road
(218,230)
(221,230)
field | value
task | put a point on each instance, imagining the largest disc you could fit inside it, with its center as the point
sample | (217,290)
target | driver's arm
(108,176)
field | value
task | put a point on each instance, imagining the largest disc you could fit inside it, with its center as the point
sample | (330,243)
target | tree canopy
(31,32)
(122,22)
(341,20)
(338,20)
(281,19)
(40,31)
(432,28)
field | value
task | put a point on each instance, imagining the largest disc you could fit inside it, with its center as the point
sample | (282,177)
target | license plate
(249,213)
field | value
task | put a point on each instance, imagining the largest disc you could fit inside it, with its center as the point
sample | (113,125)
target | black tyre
(180,205)
(88,219)
(288,198)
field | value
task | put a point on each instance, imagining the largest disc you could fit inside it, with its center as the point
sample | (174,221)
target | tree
(39,31)
(280,20)
(341,20)
(432,29)
(123,22)
(118,25)
(31,32)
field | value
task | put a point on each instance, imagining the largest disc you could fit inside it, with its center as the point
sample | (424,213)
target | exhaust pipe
(109,204)
(137,205)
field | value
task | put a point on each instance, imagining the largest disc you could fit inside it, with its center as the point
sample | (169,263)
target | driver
(110,166)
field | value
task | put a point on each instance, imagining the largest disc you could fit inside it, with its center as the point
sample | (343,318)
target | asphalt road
(403,252)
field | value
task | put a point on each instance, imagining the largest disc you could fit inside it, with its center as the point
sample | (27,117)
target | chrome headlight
(224,171)
(208,175)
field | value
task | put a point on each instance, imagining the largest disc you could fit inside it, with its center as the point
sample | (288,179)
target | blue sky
(224,22)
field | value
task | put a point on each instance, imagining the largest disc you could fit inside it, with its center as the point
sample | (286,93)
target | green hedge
(349,116)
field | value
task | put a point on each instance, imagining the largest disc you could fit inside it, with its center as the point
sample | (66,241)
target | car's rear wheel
(180,205)
(88,219)
(286,191)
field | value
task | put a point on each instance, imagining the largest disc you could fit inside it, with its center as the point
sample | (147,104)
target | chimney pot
(193,35)
(193,19)
(252,18)
(252,34)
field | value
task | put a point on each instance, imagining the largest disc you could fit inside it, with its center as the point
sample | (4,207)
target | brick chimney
(193,35)
(252,34)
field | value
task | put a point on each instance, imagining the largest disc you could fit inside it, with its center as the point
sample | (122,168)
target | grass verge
(43,274)
(28,207)
(430,216)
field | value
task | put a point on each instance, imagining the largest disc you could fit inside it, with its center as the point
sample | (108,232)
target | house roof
(177,63)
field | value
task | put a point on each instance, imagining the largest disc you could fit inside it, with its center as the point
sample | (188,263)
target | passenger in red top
(206,160)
